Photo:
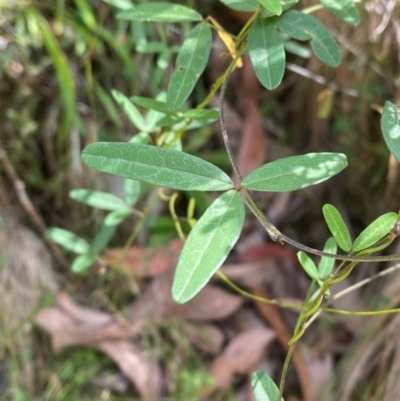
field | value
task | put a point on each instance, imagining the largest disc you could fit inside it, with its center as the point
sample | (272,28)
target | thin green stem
(285,369)
(249,295)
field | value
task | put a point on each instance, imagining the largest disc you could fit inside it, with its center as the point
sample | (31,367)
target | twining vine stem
(273,231)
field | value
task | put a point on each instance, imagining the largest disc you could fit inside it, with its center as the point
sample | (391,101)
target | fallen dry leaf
(252,150)
(81,314)
(145,262)
(138,365)
(205,337)
(112,338)
(212,303)
(241,355)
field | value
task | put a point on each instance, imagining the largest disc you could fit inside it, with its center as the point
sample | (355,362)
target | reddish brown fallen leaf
(145,262)
(81,314)
(212,303)
(206,337)
(242,354)
(252,150)
(138,365)
(66,332)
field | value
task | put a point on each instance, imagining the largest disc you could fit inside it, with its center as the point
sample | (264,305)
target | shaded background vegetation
(59,61)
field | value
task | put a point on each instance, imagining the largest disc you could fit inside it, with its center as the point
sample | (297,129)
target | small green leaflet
(158,166)
(302,26)
(82,262)
(160,12)
(308,265)
(285,4)
(241,5)
(101,200)
(68,240)
(337,227)
(264,388)
(266,52)
(152,104)
(273,6)
(117,216)
(121,4)
(201,114)
(295,172)
(325,265)
(390,125)
(344,9)
(375,231)
(208,245)
(130,109)
(190,64)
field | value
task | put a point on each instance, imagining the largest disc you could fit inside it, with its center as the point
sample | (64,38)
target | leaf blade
(130,109)
(344,9)
(160,12)
(308,265)
(98,199)
(337,226)
(302,26)
(390,125)
(375,231)
(68,240)
(208,245)
(295,172)
(158,166)
(264,388)
(325,265)
(273,6)
(241,5)
(190,64)
(266,53)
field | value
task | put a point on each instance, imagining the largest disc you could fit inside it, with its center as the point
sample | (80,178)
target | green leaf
(295,172)
(160,12)
(68,240)
(325,265)
(130,109)
(117,216)
(308,265)
(337,227)
(202,114)
(264,388)
(190,64)
(302,26)
(102,238)
(169,121)
(141,137)
(241,5)
(344,9)
(285,4)
(375,231)
(296,49)
(274,6)
(152,104)
(390,125)
(266,52)
(158,166)
(82,263)
(121,4)
(208,245)
(98,199)
(132,191)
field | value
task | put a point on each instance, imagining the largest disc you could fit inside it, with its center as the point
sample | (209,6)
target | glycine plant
(266,36)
